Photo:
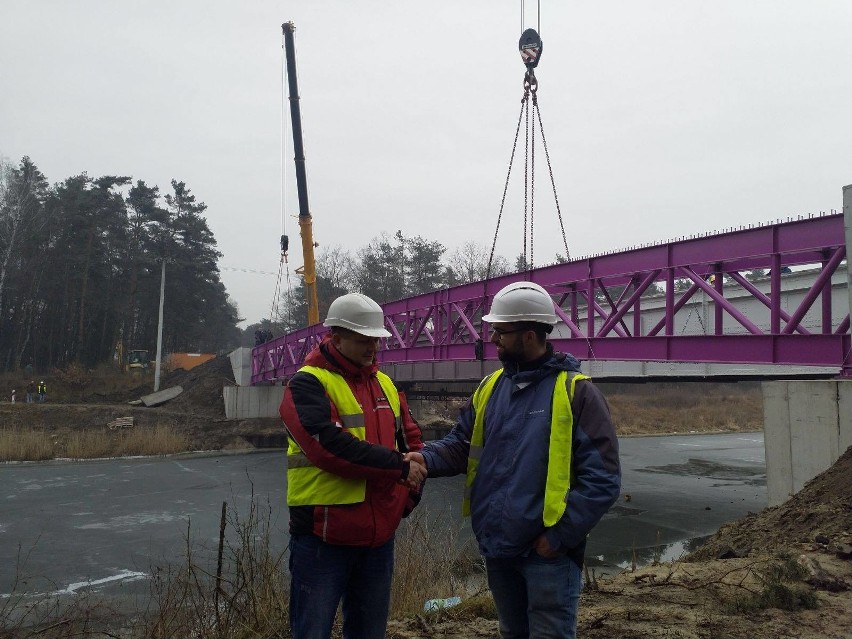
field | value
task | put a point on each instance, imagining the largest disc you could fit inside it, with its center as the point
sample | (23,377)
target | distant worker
(348,485)
(31,391)
(541,456)
(13,395)
(42,391)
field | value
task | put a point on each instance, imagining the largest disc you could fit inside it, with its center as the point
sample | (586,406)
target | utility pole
(160,325)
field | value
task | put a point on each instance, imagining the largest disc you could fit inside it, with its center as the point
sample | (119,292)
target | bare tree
(337,265)
(469,263)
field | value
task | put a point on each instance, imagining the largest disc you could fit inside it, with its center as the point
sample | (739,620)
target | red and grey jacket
(368,460)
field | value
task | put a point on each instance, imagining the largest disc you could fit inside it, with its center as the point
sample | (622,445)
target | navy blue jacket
(507,498)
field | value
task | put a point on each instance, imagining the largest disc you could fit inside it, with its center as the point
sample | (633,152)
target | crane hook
(531,47)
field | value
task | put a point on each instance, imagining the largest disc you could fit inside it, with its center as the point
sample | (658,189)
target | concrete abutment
(807,426)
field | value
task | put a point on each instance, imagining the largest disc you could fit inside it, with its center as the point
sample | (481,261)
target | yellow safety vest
(309,485)
(559,451)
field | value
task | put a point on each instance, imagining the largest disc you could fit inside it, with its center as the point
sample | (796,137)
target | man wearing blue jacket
(541,456)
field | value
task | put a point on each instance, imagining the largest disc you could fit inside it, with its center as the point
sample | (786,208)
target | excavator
(138,360)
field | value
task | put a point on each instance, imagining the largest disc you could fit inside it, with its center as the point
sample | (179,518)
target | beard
(511,356)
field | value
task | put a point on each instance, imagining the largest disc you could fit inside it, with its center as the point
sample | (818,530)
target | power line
(246,270)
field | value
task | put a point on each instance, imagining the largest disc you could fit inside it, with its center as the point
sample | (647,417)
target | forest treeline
(80,270)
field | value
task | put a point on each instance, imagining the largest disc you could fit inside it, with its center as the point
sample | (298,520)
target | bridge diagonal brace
(681,302)
(724,304)
(575,330)
(815,290)
(764,299)
(430,335)
(614,309)
(463,318)
(601,311)
(395,333)
(291,354)
(421,327)
(626,306)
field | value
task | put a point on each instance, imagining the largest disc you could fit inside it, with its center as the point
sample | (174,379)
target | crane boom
(305,222)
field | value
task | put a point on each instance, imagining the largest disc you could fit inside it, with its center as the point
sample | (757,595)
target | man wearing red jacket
(348,485)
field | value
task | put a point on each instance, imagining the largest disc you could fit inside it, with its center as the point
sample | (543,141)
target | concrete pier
(244,401)
(251,402)
(807,426)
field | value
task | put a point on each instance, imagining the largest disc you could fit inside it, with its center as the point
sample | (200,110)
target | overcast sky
(663,118)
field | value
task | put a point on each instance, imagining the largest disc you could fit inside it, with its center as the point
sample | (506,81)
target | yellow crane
(308,271)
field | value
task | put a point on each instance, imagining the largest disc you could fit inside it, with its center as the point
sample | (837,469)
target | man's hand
(542,547)
(417,469)
(416,474)
(415,457)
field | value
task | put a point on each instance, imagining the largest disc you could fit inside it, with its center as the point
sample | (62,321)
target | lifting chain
(531,47)
(526,176)
(524,103)
(537,112)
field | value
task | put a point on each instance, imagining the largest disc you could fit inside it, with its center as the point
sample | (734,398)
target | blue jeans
(536,598)
(321,575)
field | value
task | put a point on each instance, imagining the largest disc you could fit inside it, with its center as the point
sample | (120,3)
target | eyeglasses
(500,332)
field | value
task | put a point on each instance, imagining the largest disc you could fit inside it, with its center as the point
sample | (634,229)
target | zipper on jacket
(325,524)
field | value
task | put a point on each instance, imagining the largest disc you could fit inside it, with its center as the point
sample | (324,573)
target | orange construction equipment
(187,361)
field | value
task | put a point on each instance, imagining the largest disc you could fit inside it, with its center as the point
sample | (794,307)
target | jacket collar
(551,362)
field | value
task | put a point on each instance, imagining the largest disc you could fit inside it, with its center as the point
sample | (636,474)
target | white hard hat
(522,302)
(358,313)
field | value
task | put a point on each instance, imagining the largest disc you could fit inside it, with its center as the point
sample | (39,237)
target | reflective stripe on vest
(558,481)
(308,485)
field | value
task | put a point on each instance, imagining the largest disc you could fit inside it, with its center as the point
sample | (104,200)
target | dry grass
(25,445)
(241,594)
(252,598)
(686,408)
(431,562)
(653,408)
(158,440)
(22,444)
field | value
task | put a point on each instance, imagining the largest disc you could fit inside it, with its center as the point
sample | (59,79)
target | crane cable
(531,47)
(538,16)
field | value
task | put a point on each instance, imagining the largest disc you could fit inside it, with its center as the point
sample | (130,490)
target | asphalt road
(103,526)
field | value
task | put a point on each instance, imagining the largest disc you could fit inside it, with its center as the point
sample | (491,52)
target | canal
(103,526)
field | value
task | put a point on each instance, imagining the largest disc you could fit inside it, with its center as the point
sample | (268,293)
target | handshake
(416,470)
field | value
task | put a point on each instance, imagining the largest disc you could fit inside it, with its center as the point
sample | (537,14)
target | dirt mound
(821,512)
(202,386)
(202,389)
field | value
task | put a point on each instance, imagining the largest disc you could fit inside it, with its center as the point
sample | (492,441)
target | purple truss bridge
(686,301)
